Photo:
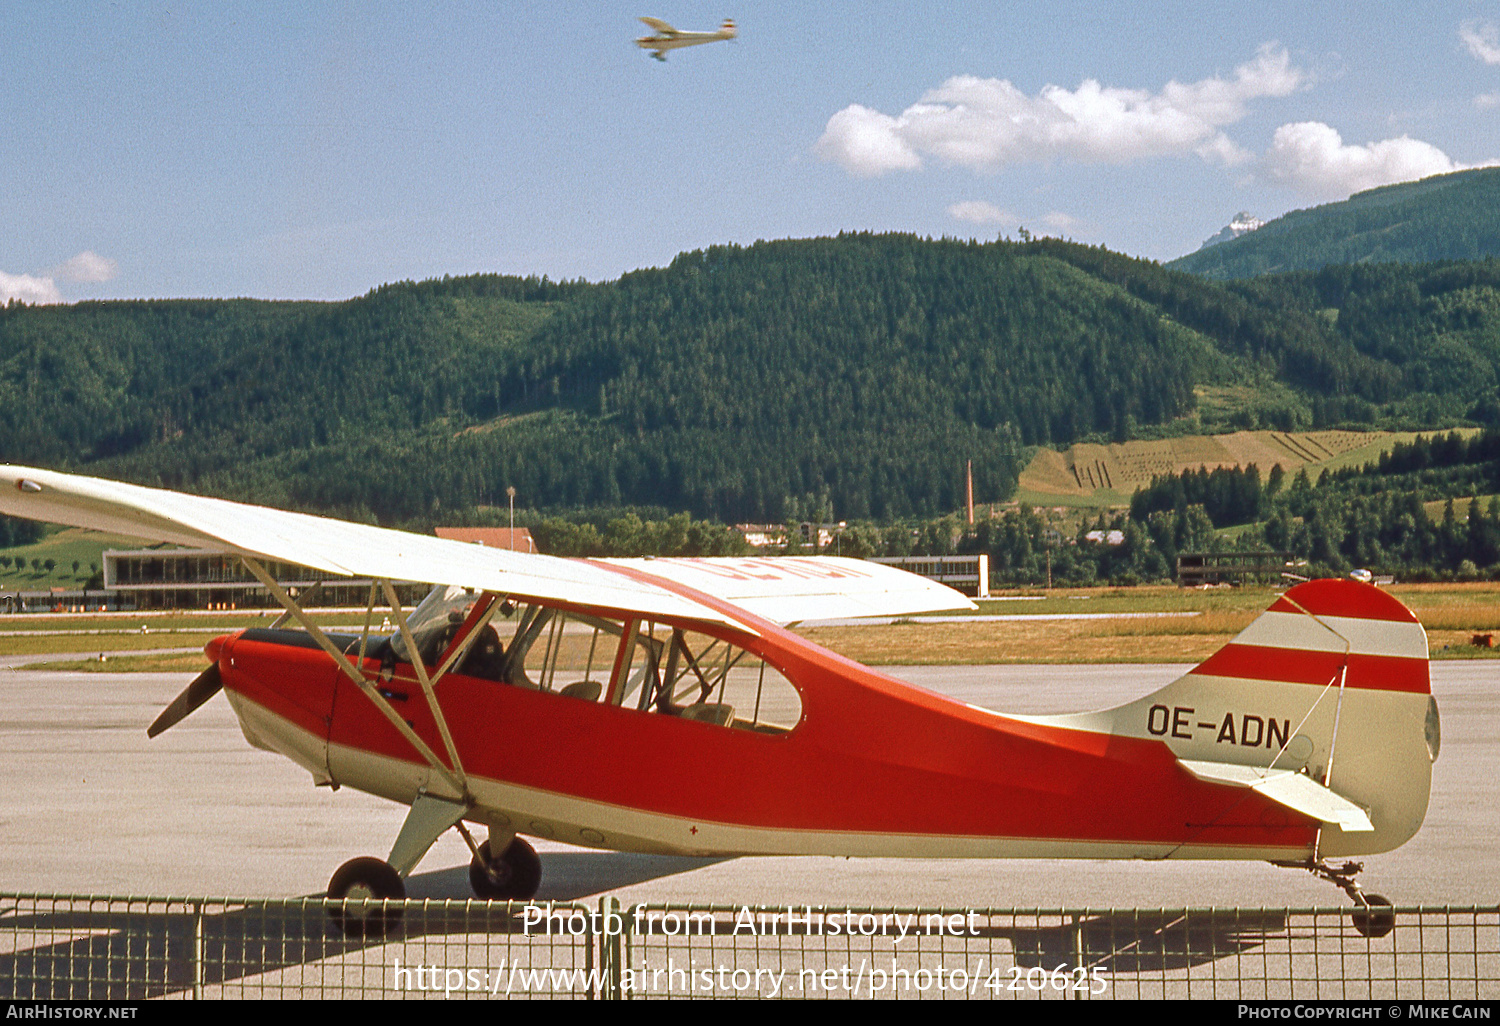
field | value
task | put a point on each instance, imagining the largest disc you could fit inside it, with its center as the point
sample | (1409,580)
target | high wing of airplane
(668,38)
(659,705)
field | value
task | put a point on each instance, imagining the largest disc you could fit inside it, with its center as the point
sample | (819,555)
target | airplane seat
(716,713)
(588,690)
(486,656)
(515,674)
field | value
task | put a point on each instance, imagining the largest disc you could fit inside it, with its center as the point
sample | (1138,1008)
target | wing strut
(364,634)
(478,619)
(421,671)
(342,661)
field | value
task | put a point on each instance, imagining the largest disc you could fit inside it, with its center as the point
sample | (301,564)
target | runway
(89,805)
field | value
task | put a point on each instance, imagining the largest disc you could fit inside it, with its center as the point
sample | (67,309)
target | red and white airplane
(659,705)
(669,38)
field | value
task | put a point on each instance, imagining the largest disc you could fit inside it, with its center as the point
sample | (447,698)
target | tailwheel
(1373,915)
(1371,919)
(370,879)
(515,875)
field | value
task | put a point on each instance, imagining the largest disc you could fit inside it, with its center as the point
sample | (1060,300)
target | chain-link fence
(59,947)
(54,947)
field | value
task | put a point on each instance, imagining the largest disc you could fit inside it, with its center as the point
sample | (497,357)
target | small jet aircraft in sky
(669,38)
(660,705)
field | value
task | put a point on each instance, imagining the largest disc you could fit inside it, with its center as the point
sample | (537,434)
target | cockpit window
(662,669)
(568,653)
(695,676)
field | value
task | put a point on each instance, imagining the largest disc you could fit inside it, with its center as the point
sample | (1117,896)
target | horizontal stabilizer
(1296,791)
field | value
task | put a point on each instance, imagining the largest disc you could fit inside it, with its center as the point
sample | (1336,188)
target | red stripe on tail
(1306,666)
(1342,597)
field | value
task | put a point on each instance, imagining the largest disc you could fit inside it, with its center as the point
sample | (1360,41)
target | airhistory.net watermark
(808,920)
(867,978)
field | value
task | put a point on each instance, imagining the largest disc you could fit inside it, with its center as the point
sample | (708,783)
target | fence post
(591,955)
(1078,950)
(197,951)
(609,948)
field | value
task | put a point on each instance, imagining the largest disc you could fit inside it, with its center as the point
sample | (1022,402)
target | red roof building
(518,540)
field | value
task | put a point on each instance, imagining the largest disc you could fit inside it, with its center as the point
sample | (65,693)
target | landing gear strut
(370,879)
(514,875)
(1371,917)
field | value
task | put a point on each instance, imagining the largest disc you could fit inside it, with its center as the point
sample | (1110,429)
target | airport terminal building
(171,578)
(197,579)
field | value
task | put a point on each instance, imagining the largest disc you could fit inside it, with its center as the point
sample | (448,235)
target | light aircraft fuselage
(870,765)
(666,38)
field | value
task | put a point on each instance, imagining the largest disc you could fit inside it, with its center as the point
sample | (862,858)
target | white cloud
(980,212)
(866,142)
(1225,150)
(986,123)
(28,289)
(87,266)
(1312,158)
(1482,38)
(1487,101)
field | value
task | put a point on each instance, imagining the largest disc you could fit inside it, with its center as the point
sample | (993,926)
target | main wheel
(370,879)
(514,876)
(1370,921)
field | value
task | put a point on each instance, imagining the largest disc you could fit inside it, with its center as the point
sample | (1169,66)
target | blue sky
(317,150)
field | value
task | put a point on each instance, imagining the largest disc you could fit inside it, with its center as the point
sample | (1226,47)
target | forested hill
(863,369)
(1446,217)
(852,375)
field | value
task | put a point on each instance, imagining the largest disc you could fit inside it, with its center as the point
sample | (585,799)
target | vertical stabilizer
(1331,684)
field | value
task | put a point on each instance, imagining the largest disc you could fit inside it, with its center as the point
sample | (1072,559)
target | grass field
(118,635)
(1451,613)
(64,546)
(1202,622)
(1434,509)
(191,661)
(1096,476)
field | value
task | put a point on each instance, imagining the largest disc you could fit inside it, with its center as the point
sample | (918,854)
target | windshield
(435,621)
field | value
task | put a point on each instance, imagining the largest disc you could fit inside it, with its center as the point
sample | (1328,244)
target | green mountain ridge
(855,374)
(1445,217)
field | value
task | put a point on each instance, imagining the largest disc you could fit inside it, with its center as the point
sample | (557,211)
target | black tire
(514,876)
(365,877)
(1370,919)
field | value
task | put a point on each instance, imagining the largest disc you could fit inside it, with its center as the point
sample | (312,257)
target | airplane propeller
(204,686)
